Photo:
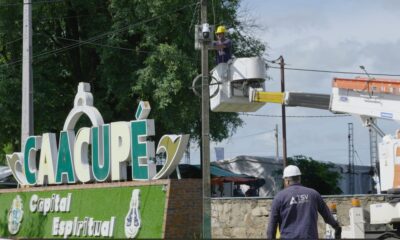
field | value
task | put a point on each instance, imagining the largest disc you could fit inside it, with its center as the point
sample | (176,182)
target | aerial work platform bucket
(231,82)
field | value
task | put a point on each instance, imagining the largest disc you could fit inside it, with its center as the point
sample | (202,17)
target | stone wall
(248,217)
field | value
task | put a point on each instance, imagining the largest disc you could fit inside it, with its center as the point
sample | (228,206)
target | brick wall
(183,217)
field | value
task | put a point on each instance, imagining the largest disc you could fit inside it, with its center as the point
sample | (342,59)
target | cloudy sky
(335,35)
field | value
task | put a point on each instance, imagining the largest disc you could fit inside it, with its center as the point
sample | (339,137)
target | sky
(338,35)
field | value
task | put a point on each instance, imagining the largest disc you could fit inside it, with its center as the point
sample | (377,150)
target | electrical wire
(213,8)
(359,159)
(124,48)
(65,17)
(35,2)
(82,42)
(253,134)
(48,19)
(91,40)
(332,71)
(12,41)
(295,116)
(194,15)
(98,37)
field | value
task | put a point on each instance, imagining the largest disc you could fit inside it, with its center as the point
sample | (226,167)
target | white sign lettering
(88,227)
(113,146)
(53,204)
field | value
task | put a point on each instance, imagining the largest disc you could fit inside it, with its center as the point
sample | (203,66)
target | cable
(48,19)
(194,15)
(123,48)
(360,161)
(82,42)
(35,2)
(13,41)
(213,8)
(65,17)
(232,138)
(331,71)
(254,134)
(48,1)
(95,38)
(10,4)
(296,116)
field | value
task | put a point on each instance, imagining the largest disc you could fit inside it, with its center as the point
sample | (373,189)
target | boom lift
(238,88)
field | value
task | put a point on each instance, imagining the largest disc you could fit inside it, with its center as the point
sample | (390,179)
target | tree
(128,50)
(317,175)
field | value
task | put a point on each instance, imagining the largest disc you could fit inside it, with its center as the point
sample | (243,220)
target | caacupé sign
(112,148)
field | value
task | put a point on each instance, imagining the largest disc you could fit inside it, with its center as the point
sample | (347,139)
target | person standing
(295,210)
(223,46)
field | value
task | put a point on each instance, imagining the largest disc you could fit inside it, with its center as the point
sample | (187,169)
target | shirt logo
(299,199)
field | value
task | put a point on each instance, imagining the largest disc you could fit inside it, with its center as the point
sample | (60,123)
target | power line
(12,41)
(254,134)
(123,48)
(36,2)
(66,17)
(359,159)
(91,40)
(10,4)
(332,71)
(295,116)
(98,37)
(62,17)
(48,1)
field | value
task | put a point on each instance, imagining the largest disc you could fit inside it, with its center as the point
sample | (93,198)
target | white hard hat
(291,171)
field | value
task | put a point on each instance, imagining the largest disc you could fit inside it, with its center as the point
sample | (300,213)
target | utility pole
(282,65)
(374,155)
(27,81)
(276,143)
(351,158)
(205,129)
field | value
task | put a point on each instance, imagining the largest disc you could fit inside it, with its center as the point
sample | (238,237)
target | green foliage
(128,50)
(7,149)
(317,175)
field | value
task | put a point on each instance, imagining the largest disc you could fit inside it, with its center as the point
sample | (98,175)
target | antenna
(364,70)
(351,158)
(369,79)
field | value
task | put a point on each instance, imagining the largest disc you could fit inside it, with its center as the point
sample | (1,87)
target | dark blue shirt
(295,210)
(223,55)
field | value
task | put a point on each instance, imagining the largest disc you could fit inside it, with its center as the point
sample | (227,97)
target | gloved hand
(338,232)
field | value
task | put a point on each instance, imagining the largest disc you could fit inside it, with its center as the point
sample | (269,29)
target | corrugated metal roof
(219,172)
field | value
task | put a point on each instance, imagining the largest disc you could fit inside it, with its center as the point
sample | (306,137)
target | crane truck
(238,86)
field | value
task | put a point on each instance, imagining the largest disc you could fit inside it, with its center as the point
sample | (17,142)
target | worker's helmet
(291,171)
(220,29)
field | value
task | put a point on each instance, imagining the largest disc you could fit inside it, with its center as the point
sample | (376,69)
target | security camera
(206,30)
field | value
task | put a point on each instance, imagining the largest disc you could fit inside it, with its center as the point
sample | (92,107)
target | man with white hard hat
(295,210)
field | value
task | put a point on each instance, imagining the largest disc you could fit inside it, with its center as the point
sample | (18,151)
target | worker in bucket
(295,210)
(223,46)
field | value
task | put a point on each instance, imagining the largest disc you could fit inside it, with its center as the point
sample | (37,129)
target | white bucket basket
(229,88)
